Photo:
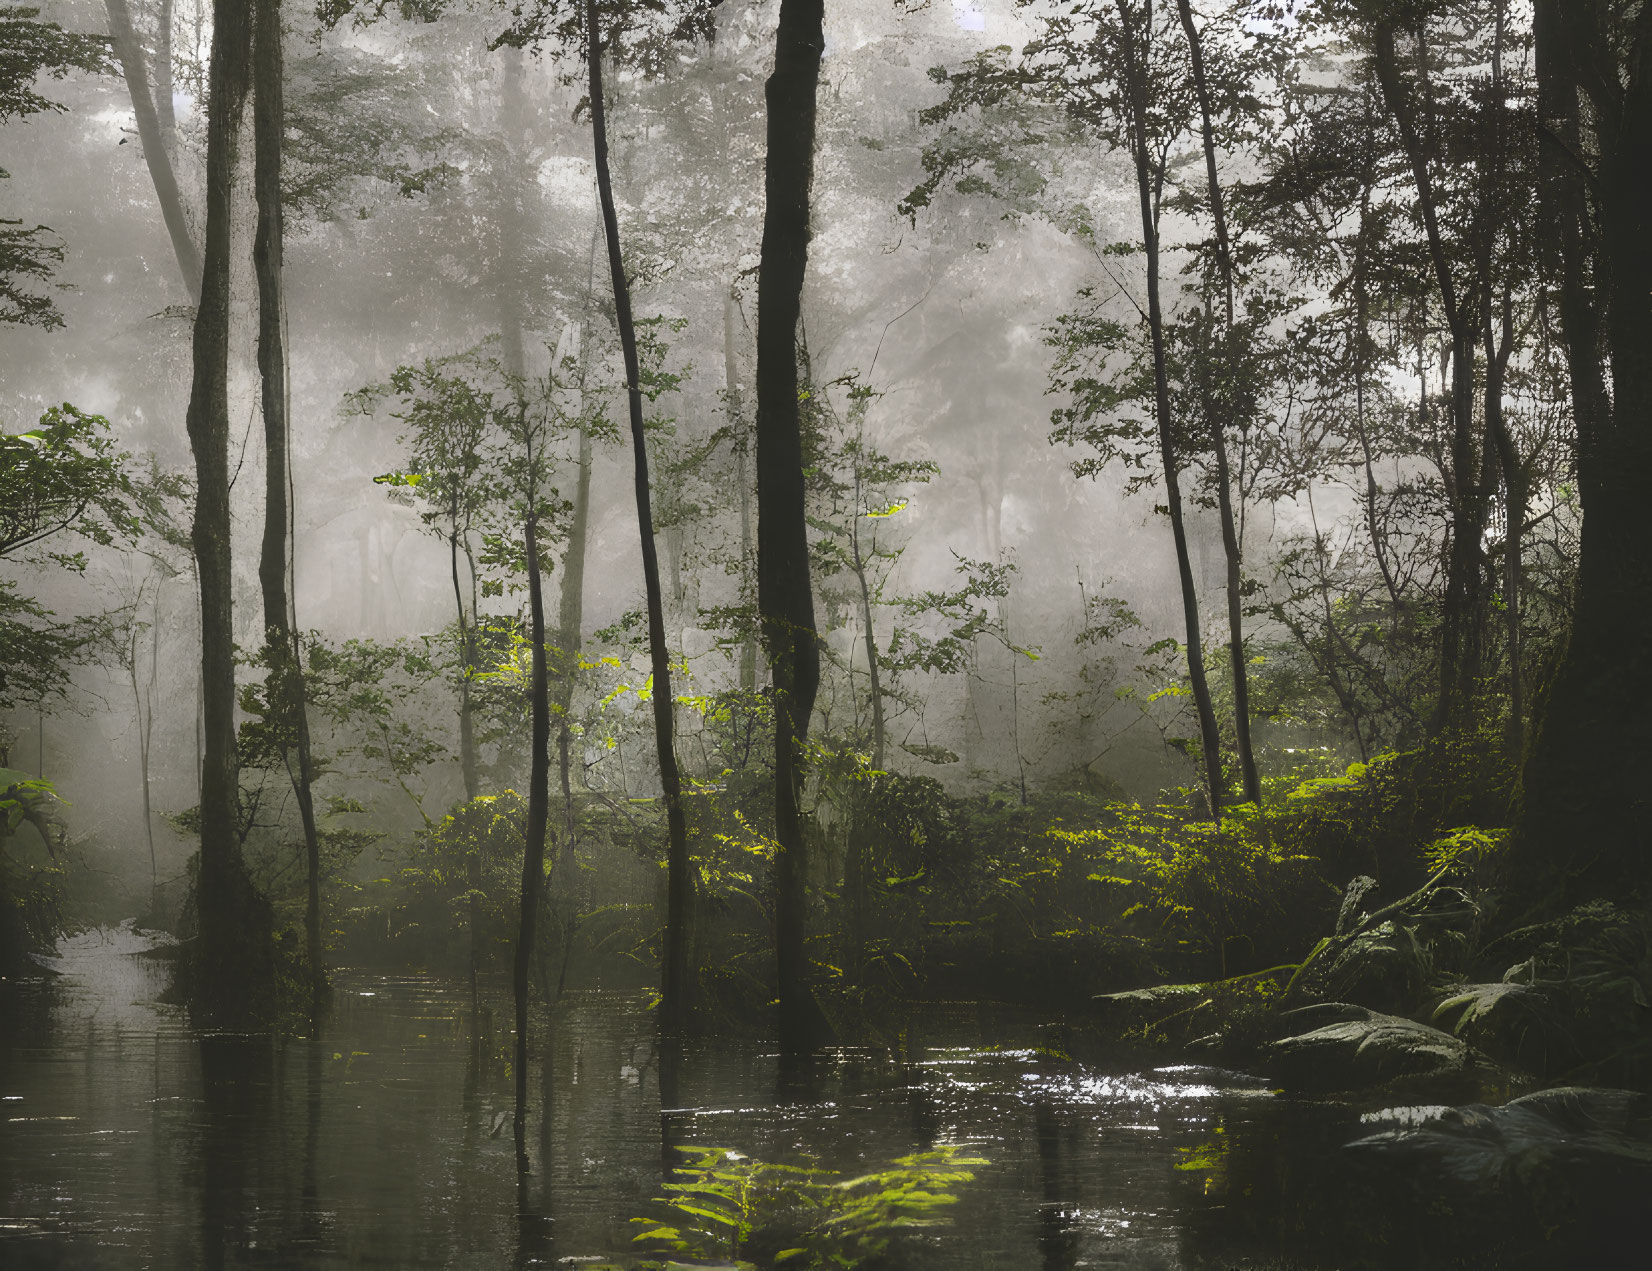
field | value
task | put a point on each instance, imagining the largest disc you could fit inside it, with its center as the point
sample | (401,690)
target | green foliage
(64,479)
(31,872)
(470,862)
(29,50)
(766,1215)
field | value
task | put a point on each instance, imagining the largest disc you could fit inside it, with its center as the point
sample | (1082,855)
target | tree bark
(1584,828)
(156,155)
(1136,71)
(785,595)
(539,779)
(676,1000)
(742,450)
(233,955)
(285,688)
(1218,430)
(164,82)
(1463,615)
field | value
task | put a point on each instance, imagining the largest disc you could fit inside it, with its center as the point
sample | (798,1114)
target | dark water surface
(129,1140)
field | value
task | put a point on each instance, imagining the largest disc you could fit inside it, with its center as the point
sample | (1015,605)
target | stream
(127,1139)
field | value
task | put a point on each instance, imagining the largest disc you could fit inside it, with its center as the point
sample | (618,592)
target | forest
(769,634)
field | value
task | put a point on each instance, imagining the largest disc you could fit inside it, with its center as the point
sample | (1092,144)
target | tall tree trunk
(675,1002)
(232,959)
(508,268)
(1499,345)
(134,66)
(539,798)
(785,595)
(1462,619)
(285,690)
(571,616)
(742,479)
(1136,71)
(466,619)
(1218,429)
(164,83)
(1584,825)
(859,565)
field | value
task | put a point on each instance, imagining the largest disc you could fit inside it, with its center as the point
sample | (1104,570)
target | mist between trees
(991,470)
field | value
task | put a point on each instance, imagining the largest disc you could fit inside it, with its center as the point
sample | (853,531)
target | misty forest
(769,634)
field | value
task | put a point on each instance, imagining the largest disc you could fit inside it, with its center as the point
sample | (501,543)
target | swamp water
(129,1140)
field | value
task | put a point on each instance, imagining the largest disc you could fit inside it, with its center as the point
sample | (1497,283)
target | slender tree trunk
(164,84)
(871,643)
(785,595)
(1136,71)
(676,1001)
(285,689)
(742,479)
(1516,487)
(467,653)
(533,853)
(232,959)
(134,67)
(509,266)
(1218,432)
(1586,803)
(1462,619)
(571,618)
(143,706)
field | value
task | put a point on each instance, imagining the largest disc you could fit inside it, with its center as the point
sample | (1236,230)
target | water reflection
(130,1141)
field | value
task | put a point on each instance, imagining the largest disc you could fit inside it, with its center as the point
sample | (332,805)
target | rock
(1514,1023)
(1139,1008)
(1385,968)
(1335,1046)
(1354,907)
(1554,1179)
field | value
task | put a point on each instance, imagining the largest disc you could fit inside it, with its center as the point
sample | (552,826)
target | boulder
(1385,968)
(1514,1023)
(1340,1046)
(1554,1179)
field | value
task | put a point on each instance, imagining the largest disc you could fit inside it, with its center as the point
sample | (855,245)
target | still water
(129,1140)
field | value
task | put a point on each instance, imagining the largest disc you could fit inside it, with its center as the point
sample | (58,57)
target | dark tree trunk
(1463,616)
(858,563)
(285,689)
(539,799)
(570,625)
(1136,71)
(1218,431)
(151,136)
(676,1000)
(742,479)
(232,961)
(1585,818)
(785,595)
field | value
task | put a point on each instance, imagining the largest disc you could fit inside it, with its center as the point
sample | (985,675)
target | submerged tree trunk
(1136,71)
(285,690)
(1218,433)
(233,958)
(539,798)
(1584,828)
(156,154)
(675,1002)
(785,595)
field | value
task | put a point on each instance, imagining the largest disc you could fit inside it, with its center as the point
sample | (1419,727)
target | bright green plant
(764,1215)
